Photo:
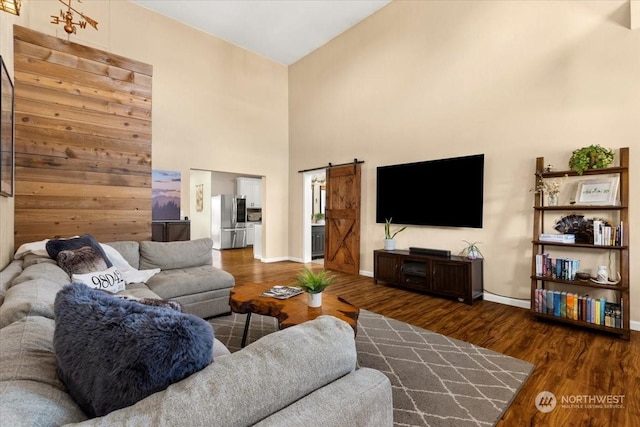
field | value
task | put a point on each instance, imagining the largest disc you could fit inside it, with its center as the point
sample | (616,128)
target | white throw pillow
(108,280)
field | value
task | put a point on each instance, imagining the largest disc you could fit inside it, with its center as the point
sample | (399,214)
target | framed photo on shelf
(602,191)
(6,132)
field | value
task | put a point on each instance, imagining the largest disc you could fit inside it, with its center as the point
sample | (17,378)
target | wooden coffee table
(246,299)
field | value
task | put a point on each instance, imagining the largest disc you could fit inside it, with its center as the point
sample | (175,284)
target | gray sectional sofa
(304,375)
(186,274)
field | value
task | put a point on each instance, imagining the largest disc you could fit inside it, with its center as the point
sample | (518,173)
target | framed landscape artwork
(165,186)
(6,132)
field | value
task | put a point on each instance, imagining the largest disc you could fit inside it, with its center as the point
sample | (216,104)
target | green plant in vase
(389,243)
(591,157)
(314,284)
(471,251)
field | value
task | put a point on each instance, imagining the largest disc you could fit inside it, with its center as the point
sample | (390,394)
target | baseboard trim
(487,296)
(278,259)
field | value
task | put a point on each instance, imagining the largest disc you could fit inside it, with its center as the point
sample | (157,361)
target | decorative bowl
(582,275)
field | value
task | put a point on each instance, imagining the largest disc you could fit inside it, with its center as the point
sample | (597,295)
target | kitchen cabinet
(251,234)
(257,245)
(317,241)
(252,189)
(455,276)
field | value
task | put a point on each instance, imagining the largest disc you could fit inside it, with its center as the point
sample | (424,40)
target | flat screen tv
(443,192)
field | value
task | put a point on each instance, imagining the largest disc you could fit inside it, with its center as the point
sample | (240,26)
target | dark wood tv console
(454,276)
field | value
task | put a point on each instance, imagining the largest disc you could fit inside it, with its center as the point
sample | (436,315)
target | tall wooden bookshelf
(619,251)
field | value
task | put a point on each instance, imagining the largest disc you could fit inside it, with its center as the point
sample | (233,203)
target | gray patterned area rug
(437,381)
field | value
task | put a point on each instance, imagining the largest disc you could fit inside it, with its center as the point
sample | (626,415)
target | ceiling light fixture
(11,6)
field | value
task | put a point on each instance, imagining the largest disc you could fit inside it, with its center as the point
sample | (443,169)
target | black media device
(444,192)
(432,252)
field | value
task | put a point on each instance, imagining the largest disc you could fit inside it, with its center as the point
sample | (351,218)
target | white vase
(553,200)
(389,244)
(314,300)
(603,274)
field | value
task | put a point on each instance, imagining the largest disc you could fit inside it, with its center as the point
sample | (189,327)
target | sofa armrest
(7,275)
(247,386)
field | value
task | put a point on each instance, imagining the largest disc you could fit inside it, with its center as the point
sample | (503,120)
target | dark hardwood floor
(572,363)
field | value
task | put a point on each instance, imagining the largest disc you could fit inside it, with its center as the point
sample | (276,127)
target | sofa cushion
(170,255)
(141,349)
(30,392)
(7,275)
(189,281)
(41,268)
(32,292)
(109,280)
(31,259)
(139,290)
(55,246)
(370,387)
(130,251)
(80,261)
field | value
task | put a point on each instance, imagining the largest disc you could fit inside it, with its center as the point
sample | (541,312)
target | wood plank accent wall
(83,141)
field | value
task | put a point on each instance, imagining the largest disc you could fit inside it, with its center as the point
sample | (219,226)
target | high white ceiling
(281,30)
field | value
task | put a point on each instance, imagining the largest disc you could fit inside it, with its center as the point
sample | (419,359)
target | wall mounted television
(443,192)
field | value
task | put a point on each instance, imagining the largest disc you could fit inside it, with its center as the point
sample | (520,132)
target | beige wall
(216,106)
(513,80)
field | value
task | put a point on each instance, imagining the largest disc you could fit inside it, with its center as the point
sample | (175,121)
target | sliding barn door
(83,141)
(342,219)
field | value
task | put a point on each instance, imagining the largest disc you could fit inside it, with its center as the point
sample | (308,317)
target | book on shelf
(550,297)
(556,268)
(570,305)
(606,235)
(613,315)
(282,292)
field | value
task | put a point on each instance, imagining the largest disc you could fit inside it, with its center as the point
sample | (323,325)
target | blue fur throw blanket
(112,352)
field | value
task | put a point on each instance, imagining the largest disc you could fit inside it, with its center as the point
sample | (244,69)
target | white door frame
(307,210)
(307,200)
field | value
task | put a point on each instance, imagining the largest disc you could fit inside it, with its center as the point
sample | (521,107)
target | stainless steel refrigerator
(228,221)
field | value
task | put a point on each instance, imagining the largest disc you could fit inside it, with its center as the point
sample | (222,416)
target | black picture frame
(7,133)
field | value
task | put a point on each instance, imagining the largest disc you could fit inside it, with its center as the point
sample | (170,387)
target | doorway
(341,216)
(314,199)
(204,184)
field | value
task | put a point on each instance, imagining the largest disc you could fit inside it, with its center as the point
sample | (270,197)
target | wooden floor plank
(570,362)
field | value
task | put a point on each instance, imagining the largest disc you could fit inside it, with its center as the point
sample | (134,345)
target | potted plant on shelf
(314,284)
(591,157)
(319,218)
(472,251)
(389,242)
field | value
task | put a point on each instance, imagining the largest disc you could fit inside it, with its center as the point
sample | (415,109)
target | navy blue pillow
(112,352)
(55,246)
